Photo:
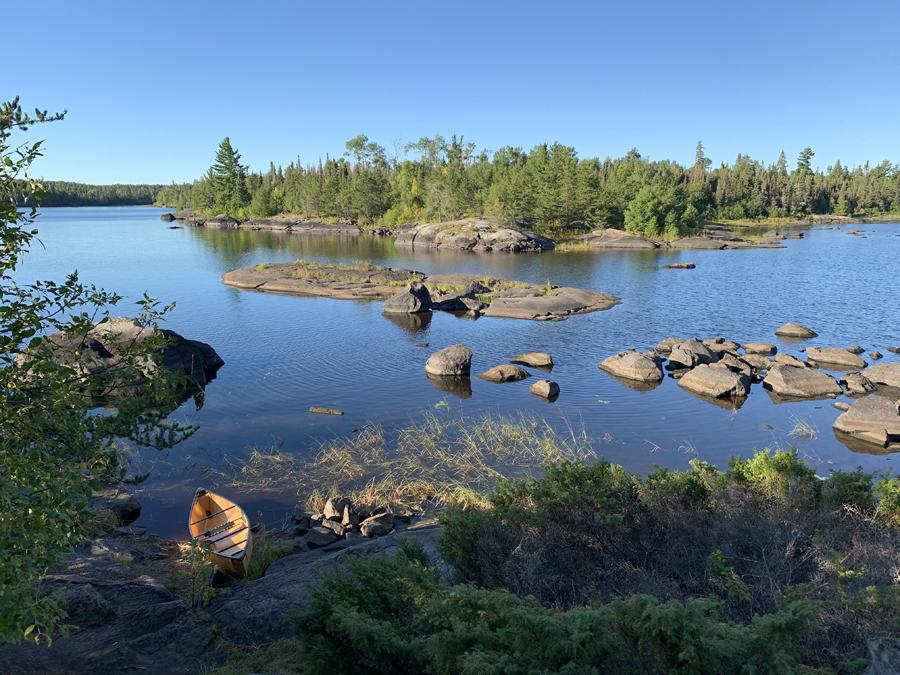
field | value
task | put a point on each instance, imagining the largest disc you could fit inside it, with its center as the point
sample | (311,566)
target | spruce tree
(228,177)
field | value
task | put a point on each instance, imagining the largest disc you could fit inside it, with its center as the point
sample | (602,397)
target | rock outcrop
(633,365)
(472,234)
(697,244)
(801,383)
(872,419)
(611,238)
(453,360)
(102,357)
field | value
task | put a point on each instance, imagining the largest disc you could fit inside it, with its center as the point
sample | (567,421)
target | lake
(284,354)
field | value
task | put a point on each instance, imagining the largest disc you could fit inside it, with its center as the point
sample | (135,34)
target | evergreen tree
(228,177)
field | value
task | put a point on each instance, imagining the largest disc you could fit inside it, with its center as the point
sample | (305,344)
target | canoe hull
(223,526)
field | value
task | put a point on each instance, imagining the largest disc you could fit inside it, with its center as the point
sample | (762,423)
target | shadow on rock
(415,322)
(458,385)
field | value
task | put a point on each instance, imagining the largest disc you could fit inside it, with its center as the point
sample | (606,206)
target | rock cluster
(340,520)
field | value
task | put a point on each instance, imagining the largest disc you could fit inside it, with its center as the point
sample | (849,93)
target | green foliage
(395,614)
(265,552)
(195,574)
(53,449)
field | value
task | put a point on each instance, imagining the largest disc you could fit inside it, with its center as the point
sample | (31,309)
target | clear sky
(152,88)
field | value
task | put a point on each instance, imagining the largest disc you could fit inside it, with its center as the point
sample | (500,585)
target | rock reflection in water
(726,403)
(778,399)
(861,447)
(635,385)
(416,322)
(458,385)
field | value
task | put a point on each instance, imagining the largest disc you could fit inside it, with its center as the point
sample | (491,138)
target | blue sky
(152,88)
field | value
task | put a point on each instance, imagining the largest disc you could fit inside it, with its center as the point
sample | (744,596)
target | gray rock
(763,348)
(894,350)
(734,363)
(836,356)
(320,536)
(873,419)
(472,234)
(128,625)
(632,365)
(349,519)
(681,266)
(100,356)
(334,508)
(801,382)
(715,382)
(118,500)
(884,373)
(840,405)
(668,344)
(222,222)
(885,653)
(545,389)
(875,356)
(856,350)
(335,527)
(377,526)
(758,361)
(857,383)
(535,360)
(792,361)
(795,330)
(454,360)
(254,612)
(167,217)
(691,353)
(720,345)
(505,373)
(413,298)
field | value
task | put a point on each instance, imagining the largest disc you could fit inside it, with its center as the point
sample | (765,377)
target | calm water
(284,354)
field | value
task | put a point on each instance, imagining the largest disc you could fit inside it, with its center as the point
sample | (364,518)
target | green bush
(395,614)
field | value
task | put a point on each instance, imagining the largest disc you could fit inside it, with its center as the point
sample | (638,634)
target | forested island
(548,189)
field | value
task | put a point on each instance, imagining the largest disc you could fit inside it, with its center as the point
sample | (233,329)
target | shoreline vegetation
(548,190)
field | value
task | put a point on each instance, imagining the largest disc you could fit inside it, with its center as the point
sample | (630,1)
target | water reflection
(634,385)
(412,323)
(459,385)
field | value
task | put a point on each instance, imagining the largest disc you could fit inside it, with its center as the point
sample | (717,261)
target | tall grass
(440,460)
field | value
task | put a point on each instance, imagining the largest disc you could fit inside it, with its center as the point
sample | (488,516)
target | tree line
(549,188)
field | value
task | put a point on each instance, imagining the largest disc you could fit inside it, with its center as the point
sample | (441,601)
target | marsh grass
(803,429)
(441,460)
(265,552)
(446,288)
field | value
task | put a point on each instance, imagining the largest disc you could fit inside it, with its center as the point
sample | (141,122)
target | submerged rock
(454,360)
(505,373)
(795,330)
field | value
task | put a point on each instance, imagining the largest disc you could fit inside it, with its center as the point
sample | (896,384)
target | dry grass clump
(441,460)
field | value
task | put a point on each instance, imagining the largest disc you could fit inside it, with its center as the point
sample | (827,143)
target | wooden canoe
(223,525)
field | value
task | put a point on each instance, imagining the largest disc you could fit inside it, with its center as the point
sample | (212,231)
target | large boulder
(632,365)
(691,353)
(167,217)
(763,348)
(611,238)
(720,345)
(413,298)
(873,419)
(505,373)
(836,356)
(668,344)
(715,382)
(801,382)
(884,373)
(545,389)
(734,364)
(102,356)
(795,330)
(222,222)
(454,360)
(790,360)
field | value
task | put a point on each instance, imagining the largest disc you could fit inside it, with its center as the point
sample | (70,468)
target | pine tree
(228,179)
